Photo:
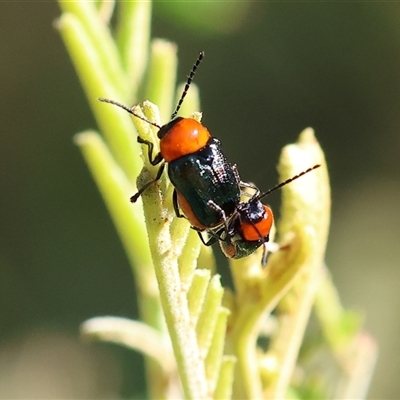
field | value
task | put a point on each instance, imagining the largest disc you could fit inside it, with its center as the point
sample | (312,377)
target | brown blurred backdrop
(271,69)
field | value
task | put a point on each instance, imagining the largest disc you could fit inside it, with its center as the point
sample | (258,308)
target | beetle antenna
(279,185)
(188,82)
(129,110)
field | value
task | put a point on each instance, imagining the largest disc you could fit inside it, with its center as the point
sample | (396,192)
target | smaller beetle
(250,226)
(248,231)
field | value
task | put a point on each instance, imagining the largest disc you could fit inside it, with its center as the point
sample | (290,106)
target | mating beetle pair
(207,188)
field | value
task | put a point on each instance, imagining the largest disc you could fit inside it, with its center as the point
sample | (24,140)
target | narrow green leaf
(100,37)
(223,389)
(216,350)
(114,122)
(197,292)
(133,37)
(161,77)
(208,318)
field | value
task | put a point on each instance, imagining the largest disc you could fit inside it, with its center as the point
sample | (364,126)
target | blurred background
(271,69)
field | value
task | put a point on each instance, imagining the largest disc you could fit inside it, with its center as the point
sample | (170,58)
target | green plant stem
(176,312)
(167,237)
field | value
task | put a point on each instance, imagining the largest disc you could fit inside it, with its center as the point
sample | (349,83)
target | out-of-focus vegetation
(271,70)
